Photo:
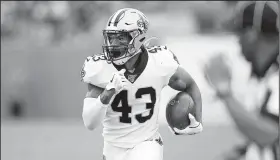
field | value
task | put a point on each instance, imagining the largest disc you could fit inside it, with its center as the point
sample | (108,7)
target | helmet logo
(142,24)
(131,78)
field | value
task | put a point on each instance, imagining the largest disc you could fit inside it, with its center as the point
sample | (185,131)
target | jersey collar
(140,67)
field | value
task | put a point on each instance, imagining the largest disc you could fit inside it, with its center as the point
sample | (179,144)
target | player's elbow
(269,137)
(88,122)
(89,126)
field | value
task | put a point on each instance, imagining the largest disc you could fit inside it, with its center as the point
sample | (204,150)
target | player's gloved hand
(195,127)
(118,81)
(218,75)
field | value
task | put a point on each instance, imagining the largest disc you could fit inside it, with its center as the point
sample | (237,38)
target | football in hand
(178,109)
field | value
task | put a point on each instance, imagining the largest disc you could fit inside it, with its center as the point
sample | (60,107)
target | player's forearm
(194,92)
(93,112)
(253,126)
(107,95)
(95,108)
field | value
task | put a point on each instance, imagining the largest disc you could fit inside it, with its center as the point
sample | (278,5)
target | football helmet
(129,27)
(263,16)
(257,26)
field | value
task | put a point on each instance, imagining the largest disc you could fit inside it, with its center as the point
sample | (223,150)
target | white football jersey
(273,101)
(132,115)
(262,97)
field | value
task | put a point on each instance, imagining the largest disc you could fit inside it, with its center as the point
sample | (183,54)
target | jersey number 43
(125,109)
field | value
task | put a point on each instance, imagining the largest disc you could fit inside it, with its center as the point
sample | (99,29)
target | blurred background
(43,47)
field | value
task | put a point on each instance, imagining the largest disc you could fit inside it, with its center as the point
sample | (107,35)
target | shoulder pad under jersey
(163,53)
(165,61)
(96,70)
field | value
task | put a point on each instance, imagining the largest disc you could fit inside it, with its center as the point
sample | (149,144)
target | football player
(257,24)
(124,88)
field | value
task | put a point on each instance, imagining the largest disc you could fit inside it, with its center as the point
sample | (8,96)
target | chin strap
(145,44)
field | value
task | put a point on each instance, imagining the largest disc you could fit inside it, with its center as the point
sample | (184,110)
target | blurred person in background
(7,18)
(84,15)
(124,87)
(257,25)
(55,15)
(58,11)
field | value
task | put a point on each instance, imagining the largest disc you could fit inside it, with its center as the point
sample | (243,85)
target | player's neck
(131,64)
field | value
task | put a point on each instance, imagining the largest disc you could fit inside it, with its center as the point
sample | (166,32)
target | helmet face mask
(124,35)
(116,44)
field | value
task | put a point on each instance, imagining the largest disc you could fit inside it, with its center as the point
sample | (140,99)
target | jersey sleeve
(92,72)
(167,61)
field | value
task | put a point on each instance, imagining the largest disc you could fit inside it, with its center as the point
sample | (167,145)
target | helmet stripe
(115,16)
(110,20)
(262,15)
(118,18)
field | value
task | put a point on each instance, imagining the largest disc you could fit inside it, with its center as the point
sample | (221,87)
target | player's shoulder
(158,50)
(162,54)
(93,69)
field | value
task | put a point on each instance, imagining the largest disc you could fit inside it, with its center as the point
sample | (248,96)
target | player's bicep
(180,80)
(93,91)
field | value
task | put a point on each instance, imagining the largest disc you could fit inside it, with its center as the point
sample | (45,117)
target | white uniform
(261,97)
(270,96)
(131,119)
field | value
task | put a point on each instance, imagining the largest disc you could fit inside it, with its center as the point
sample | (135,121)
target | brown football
(178,109)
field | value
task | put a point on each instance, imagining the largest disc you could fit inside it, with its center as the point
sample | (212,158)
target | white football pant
(151,149)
